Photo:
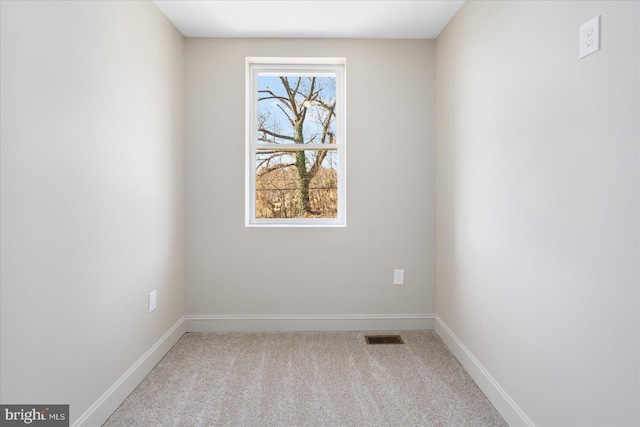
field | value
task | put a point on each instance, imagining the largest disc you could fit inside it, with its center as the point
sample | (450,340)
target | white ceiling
(400,19)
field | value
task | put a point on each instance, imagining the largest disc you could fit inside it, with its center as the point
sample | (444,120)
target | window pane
(302,184)
(296,110)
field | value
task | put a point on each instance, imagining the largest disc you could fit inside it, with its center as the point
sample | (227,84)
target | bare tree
(299,98)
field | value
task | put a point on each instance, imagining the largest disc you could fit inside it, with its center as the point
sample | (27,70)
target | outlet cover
(152,301)
(398,277)
(590,37)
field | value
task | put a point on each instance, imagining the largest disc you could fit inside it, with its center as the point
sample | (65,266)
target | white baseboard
(100,411)
(509,410)
(302,323)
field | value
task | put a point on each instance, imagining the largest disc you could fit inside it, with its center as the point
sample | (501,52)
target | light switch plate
(398,277)
(152,301)
(590,37)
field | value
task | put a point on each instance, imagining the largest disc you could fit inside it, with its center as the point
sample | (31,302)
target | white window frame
(256,66)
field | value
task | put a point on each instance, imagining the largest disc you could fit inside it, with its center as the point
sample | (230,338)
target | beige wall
(538,204)
(92,195)
(233,270)
(537,198)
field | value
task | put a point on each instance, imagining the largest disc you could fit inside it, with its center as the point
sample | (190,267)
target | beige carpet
(306,379)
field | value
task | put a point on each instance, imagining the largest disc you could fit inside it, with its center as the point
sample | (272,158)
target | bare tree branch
(273,96)
(295,91)
(308,98)
(327,122)
(316,164)
(325,133)
(292,96)
(281,98)
(288,117)
(271,157)
(275,167)
(331,106)
(277,135)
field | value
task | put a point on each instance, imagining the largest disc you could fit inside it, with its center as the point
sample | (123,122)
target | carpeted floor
(306,379)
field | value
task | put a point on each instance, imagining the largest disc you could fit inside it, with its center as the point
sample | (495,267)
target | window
(295,166)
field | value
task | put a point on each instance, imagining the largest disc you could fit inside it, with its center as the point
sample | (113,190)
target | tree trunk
(303,176)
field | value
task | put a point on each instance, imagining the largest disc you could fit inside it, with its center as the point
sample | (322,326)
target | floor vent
(383,339)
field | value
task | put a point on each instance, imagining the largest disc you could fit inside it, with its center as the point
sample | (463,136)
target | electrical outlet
(398,277)
(590,37)
(152,301)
